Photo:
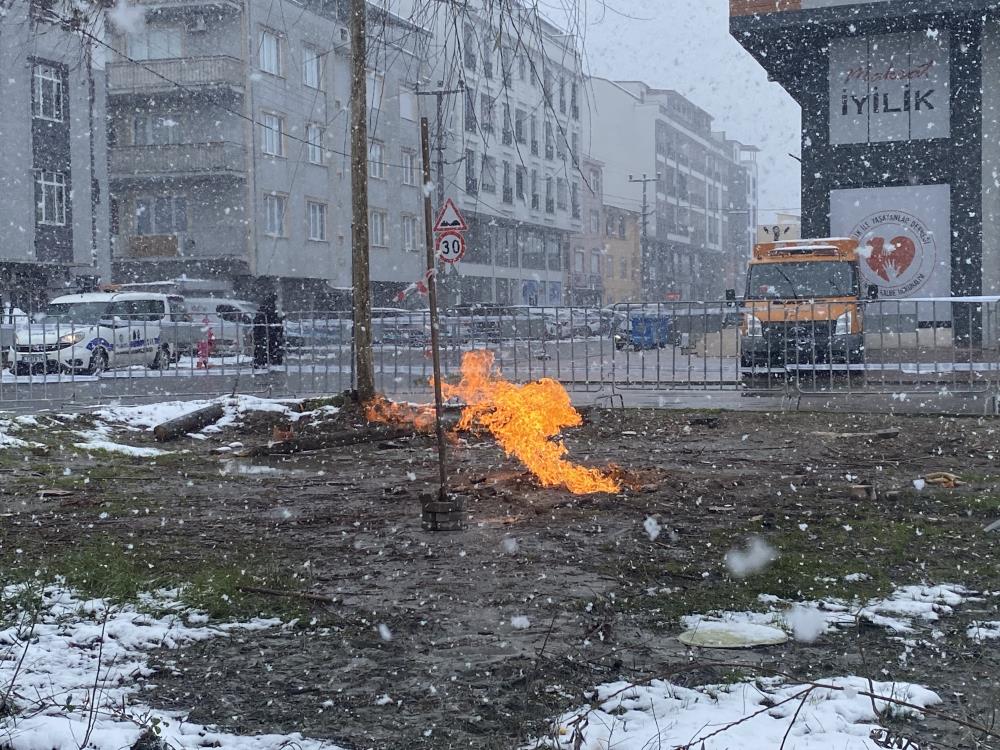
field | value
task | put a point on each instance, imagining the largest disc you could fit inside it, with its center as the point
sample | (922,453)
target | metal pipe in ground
(443,513)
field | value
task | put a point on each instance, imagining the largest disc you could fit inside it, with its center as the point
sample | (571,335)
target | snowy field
(212,595)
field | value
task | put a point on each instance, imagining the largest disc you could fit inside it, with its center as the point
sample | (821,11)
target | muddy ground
(603,600)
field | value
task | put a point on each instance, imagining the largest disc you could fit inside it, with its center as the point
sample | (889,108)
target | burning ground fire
(524,419)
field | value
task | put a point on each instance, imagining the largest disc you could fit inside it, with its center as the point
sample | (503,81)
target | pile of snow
(77,644)
(806,621)
(983,631)
(660,714)
(13,425)
(147,416)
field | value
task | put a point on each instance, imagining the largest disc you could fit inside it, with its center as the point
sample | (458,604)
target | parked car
(230,320)
(94,332)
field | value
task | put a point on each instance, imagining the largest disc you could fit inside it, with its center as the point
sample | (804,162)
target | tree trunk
(359,204)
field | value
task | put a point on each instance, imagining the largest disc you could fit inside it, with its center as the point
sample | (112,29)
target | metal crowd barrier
(796,347)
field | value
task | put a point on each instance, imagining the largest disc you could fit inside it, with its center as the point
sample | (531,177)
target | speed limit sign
(450,246)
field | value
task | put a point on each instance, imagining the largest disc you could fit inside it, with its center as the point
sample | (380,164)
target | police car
(90,333)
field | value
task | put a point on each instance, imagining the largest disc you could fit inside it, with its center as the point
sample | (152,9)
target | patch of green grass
(228,592)
(109,568)
(928,536)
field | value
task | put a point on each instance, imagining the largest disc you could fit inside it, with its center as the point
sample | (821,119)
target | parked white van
(90,333)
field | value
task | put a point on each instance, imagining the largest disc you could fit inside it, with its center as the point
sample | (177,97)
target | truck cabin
(805,270)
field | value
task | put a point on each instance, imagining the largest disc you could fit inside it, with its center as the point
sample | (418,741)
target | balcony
(185,159)
(150,246)
(191,72)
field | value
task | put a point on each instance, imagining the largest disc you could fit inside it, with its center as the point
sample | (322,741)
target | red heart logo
(891,264)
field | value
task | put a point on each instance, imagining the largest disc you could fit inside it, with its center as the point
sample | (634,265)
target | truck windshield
(806,280)
(75,312)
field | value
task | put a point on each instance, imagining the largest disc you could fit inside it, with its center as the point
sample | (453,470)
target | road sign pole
(446,513)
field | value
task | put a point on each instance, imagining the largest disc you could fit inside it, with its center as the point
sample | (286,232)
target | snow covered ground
(72,672)
(837,712)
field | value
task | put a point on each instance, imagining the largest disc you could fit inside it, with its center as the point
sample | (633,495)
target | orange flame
(524,419)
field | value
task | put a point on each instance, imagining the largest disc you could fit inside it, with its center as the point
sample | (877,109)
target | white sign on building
(905,239)
(894,87)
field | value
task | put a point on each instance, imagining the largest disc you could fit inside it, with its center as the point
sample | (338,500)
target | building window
(312,68)
(378,227)
(595,262)
(562,194)
(508,126)
(520,121)
(274,214)
(374,90)
(48,93)
(269,54)
(410,233)
(469,44)
(574,105)
(486,112)
(508,187)
(317,221)
(519,175)
(550,140)
(409,168)
(376,161)
(534,136)
(470,112)
(522,67)
(574,200)
(550,201)
(272,141)
(578,261)
(623,269)
(595,221)
(562,95)
(535,198)
(314,139)
(489,174)
(163,214)
(471,184)
(408,104)
(595,182)
(157,130)
(155,43)
(50,198)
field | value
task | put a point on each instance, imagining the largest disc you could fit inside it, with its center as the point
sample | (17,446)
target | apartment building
(512,144)
(622,255)
(54,231)
(588,255)
(229,148)
(741,211)
(658,132)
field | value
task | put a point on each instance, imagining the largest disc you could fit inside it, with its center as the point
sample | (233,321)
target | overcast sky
(685,45)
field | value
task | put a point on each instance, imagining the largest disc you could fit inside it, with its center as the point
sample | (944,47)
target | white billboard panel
(905,238)
(894,87)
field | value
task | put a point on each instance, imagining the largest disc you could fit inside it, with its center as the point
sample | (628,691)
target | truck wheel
(98,362)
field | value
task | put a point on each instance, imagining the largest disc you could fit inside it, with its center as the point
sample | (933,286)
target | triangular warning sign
(450,219)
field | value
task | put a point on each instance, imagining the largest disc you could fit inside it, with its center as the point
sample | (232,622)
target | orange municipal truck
(803,304)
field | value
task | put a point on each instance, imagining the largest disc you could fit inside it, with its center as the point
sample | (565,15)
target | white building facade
(512,141)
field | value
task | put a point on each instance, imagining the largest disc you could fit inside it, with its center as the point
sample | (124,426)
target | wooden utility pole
(360,274)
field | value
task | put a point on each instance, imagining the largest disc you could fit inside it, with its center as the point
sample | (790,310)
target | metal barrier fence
(763,346)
